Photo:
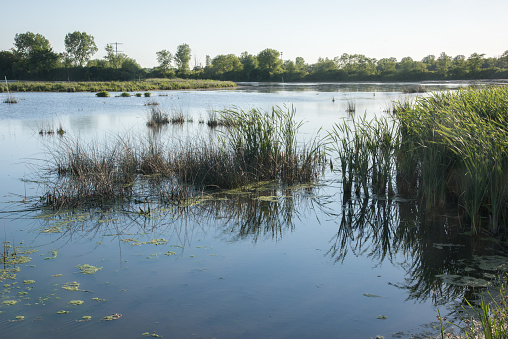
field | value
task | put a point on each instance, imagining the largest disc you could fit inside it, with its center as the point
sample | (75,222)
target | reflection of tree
(382,229)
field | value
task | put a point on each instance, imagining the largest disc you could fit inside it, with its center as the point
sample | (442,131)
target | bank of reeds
(260,146)
(116,86)
(449,147)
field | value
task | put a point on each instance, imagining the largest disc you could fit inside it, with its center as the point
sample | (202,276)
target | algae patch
(9,302)
(73,286)
(88,269)
(76,302)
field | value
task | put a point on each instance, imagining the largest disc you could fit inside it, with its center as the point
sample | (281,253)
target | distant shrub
(125,95)
(103,94)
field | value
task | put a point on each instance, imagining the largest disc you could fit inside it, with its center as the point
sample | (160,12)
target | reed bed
(260,146)
(449,147)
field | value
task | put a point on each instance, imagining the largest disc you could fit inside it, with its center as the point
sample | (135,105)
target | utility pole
(116,47)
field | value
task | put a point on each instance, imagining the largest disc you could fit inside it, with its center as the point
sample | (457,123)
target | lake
(271,262)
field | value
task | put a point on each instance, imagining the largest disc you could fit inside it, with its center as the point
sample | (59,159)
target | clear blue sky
(310,29)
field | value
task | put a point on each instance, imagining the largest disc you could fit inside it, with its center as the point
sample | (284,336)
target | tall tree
(115,59)
(443,63)
(182,57)
(79,47)
(269,61)
(164,58)
(25,43)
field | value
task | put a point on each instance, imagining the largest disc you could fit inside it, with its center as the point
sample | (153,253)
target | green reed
(458,142)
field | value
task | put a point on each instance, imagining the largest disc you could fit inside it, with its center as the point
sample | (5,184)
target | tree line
(33,58)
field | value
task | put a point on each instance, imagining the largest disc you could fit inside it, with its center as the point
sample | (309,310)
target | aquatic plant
(102,94)
(157,117)
(455,144)
(125,95)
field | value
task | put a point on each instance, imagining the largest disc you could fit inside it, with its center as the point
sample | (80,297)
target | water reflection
(440,261)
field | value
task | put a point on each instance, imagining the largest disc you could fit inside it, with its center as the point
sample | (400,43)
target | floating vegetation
(382,317)
(125,95)
(76,302)
(62,312)
(370,295)
(73,286)
(168,253)
(98,299)
(88,269)
(87,317)
(57,275)
(28,282)
(52,229)
(9,302)
(155,335)
(53,255)
(114,316)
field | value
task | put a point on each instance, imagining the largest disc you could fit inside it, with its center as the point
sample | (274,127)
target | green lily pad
(76,302)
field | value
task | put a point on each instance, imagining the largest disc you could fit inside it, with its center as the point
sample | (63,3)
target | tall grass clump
(157,117)
(456,143)
(265,144)
(365,151)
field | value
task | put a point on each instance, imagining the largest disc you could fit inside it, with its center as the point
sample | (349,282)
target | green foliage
(182,57)
(102,94)
(79,47)
(164,58)
(269,61)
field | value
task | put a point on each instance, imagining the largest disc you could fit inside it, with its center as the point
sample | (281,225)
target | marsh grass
(458,142)
(350,106)
(263,147)
(157,117)
(116,86)
(365,151)
(488,320)
(449,147)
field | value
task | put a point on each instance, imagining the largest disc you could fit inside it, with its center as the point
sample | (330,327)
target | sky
(297,28)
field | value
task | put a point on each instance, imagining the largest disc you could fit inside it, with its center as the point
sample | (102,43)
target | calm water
(305,265)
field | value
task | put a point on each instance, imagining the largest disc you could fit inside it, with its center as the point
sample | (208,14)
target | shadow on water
(441,262)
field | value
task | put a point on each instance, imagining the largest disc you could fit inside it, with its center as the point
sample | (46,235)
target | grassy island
(116,86)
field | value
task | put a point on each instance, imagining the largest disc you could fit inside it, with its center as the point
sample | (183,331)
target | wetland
(159,246)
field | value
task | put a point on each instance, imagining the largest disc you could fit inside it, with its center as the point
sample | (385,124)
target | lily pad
(381,316)
(62,312)
(9,302)
(76,302)
(28,282)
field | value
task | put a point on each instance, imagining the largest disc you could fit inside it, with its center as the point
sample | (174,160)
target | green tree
(430,62)
(474,63)
(250,66)
(222,64)
(386,66)
(182,57)
(443,63)
(269,61)
(300,63)
(164,58)
(114,59)
(34,53)
(79,47)
(25,43)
